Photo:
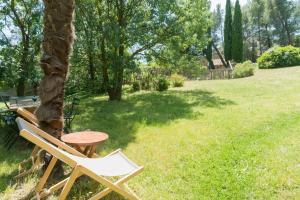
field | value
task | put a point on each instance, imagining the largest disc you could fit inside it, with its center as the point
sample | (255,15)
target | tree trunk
(56,47)
(104,66)
(90,55)
(220,55)
(24,68)
(288,34)
(21,87)
(259,39)
(269,41)
(116,92)
(25,50)
(91,68)
(253,56)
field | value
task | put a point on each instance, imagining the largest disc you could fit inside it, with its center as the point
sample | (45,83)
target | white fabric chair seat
(116,164)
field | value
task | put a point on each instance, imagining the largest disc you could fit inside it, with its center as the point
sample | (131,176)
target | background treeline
(137,42)
(116,41)
(266,23)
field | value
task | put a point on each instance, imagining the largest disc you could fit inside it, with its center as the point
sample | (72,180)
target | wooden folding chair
(30,117)
(35,154)
(115,164)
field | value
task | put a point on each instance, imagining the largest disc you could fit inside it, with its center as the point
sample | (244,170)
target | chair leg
(117,187)
(47,173)
(130,190)
(69,184)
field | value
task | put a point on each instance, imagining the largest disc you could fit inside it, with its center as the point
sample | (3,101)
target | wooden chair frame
(34,157)
(28,116)
(78,170)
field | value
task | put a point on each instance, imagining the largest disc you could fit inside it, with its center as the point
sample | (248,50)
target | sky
(223,3)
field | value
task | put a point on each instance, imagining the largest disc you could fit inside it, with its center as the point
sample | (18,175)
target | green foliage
(267,23)
(208,49)
(217,26)
(244,69)
(147,82)
(162,84)
(21,22)
(146,76)
(228,32)
(192,71)
(237,34)
(279,57)
(136,86)
(177,80)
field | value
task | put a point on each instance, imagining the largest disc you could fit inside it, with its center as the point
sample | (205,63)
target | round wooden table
(85,141)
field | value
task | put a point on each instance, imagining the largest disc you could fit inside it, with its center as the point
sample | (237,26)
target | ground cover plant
(222,139)
(244,69)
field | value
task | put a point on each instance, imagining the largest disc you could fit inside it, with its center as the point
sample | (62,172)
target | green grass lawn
(222,139)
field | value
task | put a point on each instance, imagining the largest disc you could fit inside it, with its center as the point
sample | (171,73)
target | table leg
(78,148)
(92,151)
(86,150)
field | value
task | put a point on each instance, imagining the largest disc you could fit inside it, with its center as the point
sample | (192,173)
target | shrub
(136,86)
(162,84)
(146,81)
(279,57)
(244,69)
(177,80)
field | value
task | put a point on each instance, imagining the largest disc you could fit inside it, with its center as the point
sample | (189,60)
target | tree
(228,32)
(237,34)
(217,27)
(20,37)
(133,30)
(257,10)
(267,23)
(183,51)
(56,49)
(86,39)
(208,50)
(285,19)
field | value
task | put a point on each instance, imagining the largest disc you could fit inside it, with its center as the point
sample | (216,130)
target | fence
(212,74)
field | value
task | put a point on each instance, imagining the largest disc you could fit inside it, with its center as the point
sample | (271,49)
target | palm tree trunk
(56,49)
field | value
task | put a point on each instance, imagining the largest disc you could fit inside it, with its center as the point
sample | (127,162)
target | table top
(84,138)
(24,102)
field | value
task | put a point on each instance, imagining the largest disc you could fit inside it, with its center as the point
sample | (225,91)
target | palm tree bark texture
(56,50)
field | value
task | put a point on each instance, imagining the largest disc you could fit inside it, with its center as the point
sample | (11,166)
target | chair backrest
(47,142)
(28,116)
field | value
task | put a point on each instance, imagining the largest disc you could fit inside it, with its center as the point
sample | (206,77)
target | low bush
(279,57)
(177,80)
(162,83)
(244,69)
(136,86)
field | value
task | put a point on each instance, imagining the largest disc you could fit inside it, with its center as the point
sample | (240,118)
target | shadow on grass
(122,119)
(9,160)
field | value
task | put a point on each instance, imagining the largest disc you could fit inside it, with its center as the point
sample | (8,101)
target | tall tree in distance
(285,19)
(228,32)
(56,49)
(237,34)
(217,26)
(208,50)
